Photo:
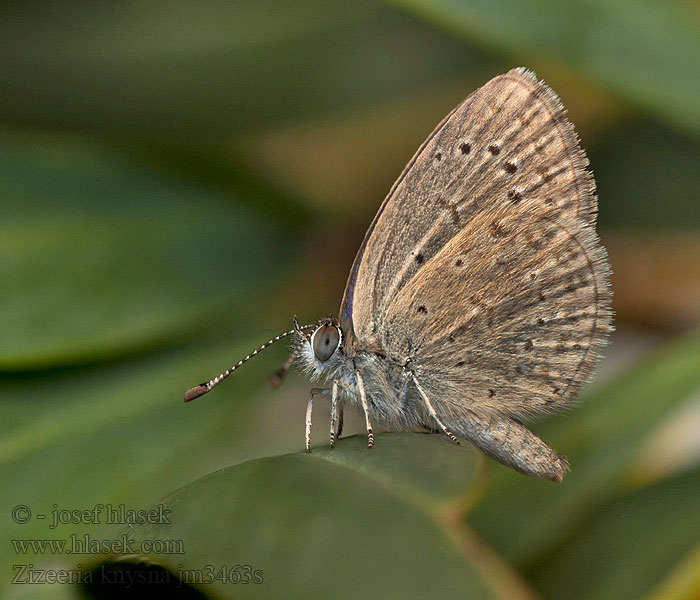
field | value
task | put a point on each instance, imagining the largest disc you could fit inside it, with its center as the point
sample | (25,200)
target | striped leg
(431,410)
(334,412)
(309,407)
(340,422)
(365,407)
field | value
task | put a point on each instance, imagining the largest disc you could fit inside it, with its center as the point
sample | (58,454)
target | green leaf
(644,51)
(117,434)
(602,439)
(343,523)
(99,258)
(630,546)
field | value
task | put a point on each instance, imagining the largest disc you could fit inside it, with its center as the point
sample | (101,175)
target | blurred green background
(178,178)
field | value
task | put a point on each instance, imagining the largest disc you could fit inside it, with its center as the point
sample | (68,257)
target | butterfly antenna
(275,379)
(203,388)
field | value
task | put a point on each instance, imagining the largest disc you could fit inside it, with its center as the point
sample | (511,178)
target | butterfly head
(320,352)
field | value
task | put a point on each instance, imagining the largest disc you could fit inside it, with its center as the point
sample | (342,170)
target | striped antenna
(203,388)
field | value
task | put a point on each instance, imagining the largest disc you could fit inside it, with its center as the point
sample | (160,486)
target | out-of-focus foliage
(178,178)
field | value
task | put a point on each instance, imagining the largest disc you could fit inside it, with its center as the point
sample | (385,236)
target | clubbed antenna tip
(276,379)
(196,392)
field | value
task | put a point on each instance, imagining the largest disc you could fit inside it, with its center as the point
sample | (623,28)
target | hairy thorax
(393,403)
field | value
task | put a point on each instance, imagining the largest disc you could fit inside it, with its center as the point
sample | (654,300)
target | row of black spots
(494,148)
(509,166)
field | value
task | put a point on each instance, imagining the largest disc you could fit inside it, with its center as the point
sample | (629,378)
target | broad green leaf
(644,51)
(630,546)
(345,527)
(526,520)
(433,474)
(99,257)
(118,434)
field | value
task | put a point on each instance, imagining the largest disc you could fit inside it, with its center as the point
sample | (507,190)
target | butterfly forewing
(497,211)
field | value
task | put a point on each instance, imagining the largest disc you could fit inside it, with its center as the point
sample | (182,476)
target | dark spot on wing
(514,196)
(497,230)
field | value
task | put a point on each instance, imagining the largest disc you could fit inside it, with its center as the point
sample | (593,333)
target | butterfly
(480,295)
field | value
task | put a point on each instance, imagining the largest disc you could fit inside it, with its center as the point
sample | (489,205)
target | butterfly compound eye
(324,341)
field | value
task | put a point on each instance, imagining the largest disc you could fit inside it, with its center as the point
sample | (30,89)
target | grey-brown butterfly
(480,293)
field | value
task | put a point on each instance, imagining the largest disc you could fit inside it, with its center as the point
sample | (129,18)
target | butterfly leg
(334,412)
(340,421)
(365,407)
(309,407)
(431,410)
(513,444)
